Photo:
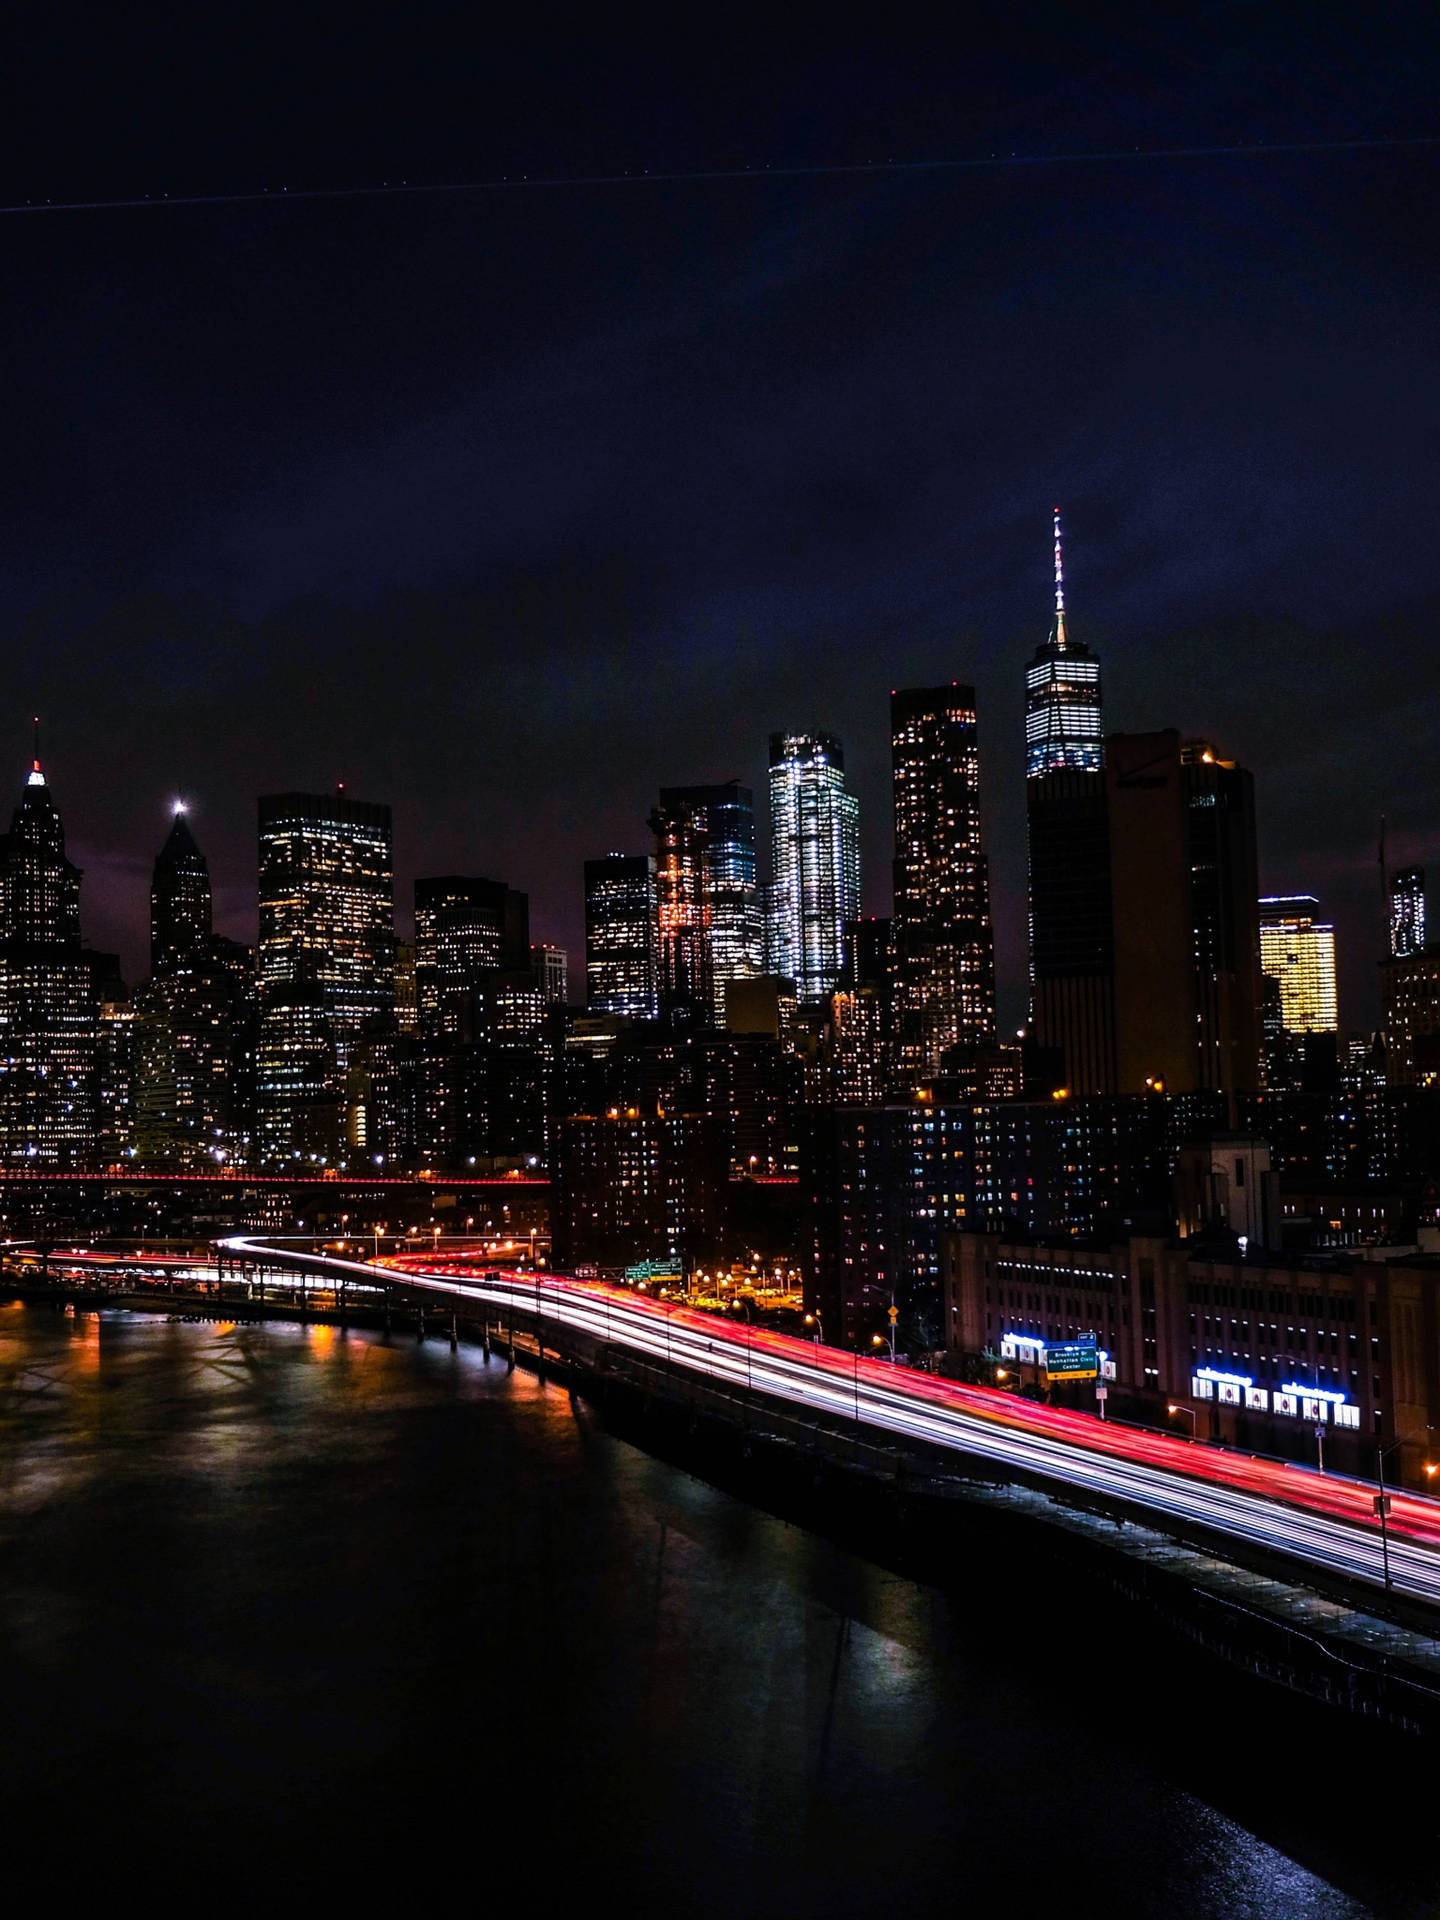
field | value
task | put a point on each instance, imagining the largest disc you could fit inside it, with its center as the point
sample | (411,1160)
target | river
(296,1615)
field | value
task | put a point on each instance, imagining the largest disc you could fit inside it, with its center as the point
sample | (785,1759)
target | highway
(1324,1520)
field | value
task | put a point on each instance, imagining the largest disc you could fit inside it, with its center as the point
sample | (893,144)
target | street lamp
(814,1320)
(1189,1412)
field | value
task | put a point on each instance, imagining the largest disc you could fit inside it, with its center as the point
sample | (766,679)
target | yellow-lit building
(1298,950)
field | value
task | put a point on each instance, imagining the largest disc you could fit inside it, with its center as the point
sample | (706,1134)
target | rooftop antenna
(1385,891)
(1059,586)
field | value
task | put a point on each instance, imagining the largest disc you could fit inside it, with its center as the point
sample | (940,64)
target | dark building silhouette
(944,944)
(179,899)
(466,930)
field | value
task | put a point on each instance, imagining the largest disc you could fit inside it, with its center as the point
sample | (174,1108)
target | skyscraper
(47,1001)
(621,930)
(944,944)
(179,898)
(1407,911)
(187,1026)
(326,960)
(1184,916)
(1062,697)
(466,929)
(815,844)
(1072,965)
(685,970)
(1298,950)
(726,815)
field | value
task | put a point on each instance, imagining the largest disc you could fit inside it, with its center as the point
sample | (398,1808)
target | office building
(726,818)
(944,944)
(815,858)
(1298,951)
(1407,912)
(1063,731)
(551,971)
(685,973)
(621,934)
(1187,1000)
(325,962)
(188,1021)
(48,1011)
(466,929)
(179,899)
(1072,955)
(634,1186)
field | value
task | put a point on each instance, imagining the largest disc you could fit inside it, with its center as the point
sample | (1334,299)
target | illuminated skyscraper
(944,945)
(551,969)
(1072,960)
(621,931)
(737,935)
(47,1000)
(1299,951)
(326,961)
(1062,697)
(815,843)
(1407,912)
(685,959)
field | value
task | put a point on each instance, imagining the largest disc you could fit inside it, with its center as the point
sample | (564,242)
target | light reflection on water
(241,1561)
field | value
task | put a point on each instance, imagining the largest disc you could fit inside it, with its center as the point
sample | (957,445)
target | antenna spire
(37,739)
(1059,586)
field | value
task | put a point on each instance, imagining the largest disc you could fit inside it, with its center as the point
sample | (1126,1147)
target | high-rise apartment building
(726,816)
(815,849)
(1072,959)
(1407,911)
(326,961)
(621,932)
(47,997)
(1298,950)
(944,943)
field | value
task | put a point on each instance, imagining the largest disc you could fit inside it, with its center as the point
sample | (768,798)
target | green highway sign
(1073,1360)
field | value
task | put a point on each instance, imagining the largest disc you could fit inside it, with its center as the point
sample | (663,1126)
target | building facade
(726,818)
(1297,950)
(1407,912)
(944,943)
(815,861)
(621,935)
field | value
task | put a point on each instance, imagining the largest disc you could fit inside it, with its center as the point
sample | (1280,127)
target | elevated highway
(1323,1521)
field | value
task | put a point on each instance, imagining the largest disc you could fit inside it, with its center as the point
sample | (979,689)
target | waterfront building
(635,1185)
(815,855)
(1407,912)
(1298,951)
(621,932)
(48,1012)
(326,962)
(944,944)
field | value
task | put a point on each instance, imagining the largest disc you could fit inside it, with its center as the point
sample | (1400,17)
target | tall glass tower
(727,820)
(815,843)
(1062,696)
(621,934)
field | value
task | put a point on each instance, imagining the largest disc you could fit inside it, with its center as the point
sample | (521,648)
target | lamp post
(1189,1413)
(814,1320)
(1382,1508)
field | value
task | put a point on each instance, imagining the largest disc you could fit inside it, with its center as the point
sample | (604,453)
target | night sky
(509,506)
